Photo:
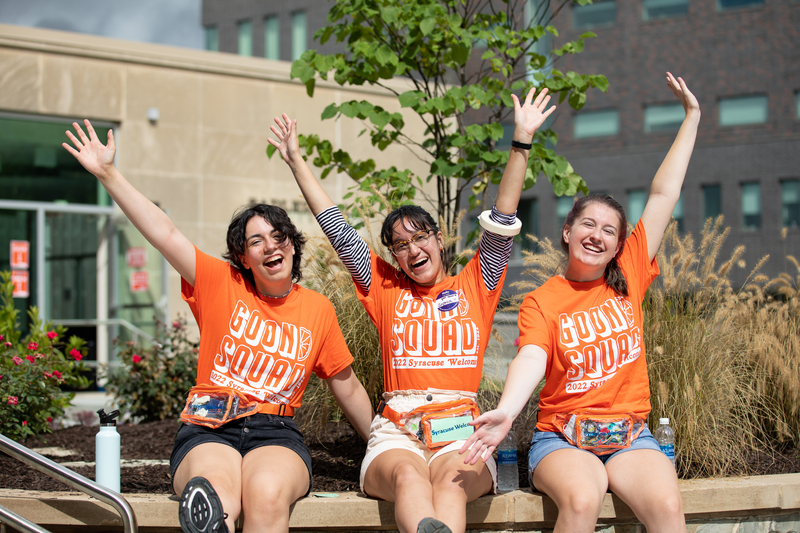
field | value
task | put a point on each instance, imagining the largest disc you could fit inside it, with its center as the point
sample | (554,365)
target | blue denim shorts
(545,442)
(244,435)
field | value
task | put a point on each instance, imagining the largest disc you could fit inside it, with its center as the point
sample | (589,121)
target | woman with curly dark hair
(261,336)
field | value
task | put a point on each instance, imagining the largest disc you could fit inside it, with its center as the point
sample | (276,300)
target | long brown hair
(615,278)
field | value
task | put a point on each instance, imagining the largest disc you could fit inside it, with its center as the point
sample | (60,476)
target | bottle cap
(663,420)
(108,419)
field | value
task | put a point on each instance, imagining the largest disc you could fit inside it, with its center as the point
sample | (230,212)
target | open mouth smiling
(274,262)
(420,263)
(592,248)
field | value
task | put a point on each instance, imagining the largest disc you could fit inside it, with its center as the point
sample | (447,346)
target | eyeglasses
(419,240)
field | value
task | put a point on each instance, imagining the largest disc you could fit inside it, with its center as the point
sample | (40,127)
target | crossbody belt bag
(213,406)
(436,424)
(599,431)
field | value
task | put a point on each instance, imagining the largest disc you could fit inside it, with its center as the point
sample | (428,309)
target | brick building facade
(741,58)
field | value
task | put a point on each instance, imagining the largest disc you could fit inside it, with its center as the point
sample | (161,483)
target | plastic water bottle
(507,471)
(106,451)
(666,439)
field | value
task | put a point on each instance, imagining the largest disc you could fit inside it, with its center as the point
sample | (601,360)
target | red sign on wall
(136,256)
(140,281)
(20,254)
(20,280)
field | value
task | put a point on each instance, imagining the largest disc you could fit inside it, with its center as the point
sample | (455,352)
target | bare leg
(455,484)
(221,465)
(577,483)
(646,481)
(402,477)
(273,478)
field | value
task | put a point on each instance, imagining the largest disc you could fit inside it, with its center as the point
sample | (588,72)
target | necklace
(284,295)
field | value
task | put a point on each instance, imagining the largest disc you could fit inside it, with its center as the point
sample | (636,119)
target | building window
(528,214)
(245,38)
(299,30)
(637,198)
(712,201)
(663,117)
(744,110)
(596,124)
(661,9)
(797,104)
(212,38)
(563,206)
(723,5)
(751,206)
(602,13)
(790,201)
(272,38)
(677,213)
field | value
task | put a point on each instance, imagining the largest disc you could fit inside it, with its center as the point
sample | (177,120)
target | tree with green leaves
(463,58)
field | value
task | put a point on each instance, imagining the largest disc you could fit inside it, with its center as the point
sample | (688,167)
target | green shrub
(33,368)
(151,382)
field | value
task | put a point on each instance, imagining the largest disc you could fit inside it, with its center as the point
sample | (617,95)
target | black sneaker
(431,525)
(200,510)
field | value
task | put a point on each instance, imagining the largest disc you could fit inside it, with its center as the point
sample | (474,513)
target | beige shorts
(385,435)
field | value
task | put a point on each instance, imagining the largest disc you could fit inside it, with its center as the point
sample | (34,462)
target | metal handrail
(20,523)
(72,479)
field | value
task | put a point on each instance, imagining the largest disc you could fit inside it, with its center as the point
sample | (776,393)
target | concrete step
(718,505)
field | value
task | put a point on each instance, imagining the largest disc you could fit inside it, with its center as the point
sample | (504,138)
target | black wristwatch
(521,146)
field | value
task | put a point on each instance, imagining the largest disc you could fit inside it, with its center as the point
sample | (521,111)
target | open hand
(286,133)
(492,427)
(529,116)
(679,88)
(95,157)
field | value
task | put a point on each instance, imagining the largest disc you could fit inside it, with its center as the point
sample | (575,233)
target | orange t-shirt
(265,348)
(593,339)
(431,337)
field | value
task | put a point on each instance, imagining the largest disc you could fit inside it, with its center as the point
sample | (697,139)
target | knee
(582,504)
(407,475)
(669,507)
(267,505)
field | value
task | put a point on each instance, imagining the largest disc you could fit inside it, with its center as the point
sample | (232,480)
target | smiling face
(593,240)
(423,264)
(268,255)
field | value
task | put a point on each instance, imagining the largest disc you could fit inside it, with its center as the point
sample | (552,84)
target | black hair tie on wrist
(521,146)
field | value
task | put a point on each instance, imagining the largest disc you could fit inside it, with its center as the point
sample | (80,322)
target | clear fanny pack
(212,406)
(436,424)
(599,431)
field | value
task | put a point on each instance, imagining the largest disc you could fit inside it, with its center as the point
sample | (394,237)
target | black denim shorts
(244,435)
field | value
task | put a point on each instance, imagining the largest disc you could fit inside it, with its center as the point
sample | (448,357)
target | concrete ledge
(704,500)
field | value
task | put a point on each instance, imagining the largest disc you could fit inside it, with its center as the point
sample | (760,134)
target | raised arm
(666,187)
(524,374)
(287,144)
(527,119)
(151,221)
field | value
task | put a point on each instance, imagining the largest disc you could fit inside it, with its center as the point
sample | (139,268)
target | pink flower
(176,325)
(52,335)
(76,354)
(33,346)
(48,375)
(2,338)
(12,400)
(30,359)
(49,419)
(24,422)
(136,358)
(56,374)
(7,344)
(17,360)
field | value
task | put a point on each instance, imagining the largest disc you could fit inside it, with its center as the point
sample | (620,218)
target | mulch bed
(335,461)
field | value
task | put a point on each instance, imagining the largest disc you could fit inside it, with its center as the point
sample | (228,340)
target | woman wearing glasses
(433,330)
